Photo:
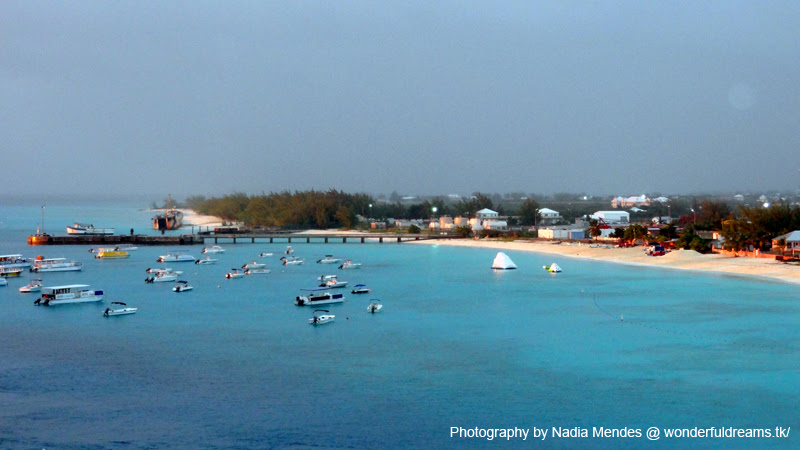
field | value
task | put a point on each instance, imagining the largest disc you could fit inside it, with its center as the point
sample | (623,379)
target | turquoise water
(234,363)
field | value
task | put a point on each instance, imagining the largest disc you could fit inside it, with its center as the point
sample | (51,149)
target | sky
(418,97)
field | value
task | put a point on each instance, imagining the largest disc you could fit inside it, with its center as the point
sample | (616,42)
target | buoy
(621,317)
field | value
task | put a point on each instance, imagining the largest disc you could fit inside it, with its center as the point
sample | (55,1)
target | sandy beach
(677,259)
(192,218)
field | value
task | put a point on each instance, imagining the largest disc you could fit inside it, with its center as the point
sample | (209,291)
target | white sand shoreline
(764,269)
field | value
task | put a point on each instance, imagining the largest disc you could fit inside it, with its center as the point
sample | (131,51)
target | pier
(243,238)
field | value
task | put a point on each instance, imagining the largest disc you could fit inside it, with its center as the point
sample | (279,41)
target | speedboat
(163,276)
(127,247)
(264,254)
(293,261)
(375,306)
(360,289)
(327,277)
(103,253)
(317,297)
(176,256)
(333,283)
(119,311)
(347,264)
(165,269)
(42,264)
(254,265)
(206,260)
(3,282)
(214,249)
(234,274)
(288,250)
(552,268)
(182,286)
(321,318)
(256,271)
(72,293)
(33,286)
(329,259)
(81,228)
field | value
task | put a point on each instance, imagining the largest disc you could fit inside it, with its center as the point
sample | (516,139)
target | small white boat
(254,265)
(207,260)
(214,249)
(81,228)
(289,250)
(176,256)
(264,254)
(163,276)
(127,247)
(42,264)
(256,271)
(503,262)
(234,274)
(3,282)
(360,289)
(119,311)
(72,293)
(333,284)
(552,268)
(327,277)
(10,271)
(375,306)
(33,286)
(293,261)
(321,318)
(15,261)
(347,264)
(165,269)
(329,259)
(182,286)
(317,297)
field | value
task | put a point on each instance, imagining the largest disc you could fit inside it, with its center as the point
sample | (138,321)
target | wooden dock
(244,238)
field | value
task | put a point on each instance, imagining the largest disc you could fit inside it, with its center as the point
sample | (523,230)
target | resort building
(549,216)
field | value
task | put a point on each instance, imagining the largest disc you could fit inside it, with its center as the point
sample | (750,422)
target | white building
(499,225)
(549,216)
(486,213)
(611,217)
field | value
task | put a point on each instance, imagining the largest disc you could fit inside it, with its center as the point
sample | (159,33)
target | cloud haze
(202,97)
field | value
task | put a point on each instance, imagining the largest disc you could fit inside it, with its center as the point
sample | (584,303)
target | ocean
(608,350)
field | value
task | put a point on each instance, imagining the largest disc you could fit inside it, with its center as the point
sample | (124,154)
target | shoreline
(759,268)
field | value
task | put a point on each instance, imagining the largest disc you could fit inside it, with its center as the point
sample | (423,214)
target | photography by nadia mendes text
(652,433)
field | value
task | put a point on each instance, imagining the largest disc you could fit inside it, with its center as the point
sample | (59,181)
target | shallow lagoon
(234,363)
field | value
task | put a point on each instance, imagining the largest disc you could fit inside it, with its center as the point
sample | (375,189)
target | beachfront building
(549,216)
(612,217)
(791,240)
(486,213)
(497,225)
(561,233)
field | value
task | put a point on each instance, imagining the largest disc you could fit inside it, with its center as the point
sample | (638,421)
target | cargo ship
(171,219)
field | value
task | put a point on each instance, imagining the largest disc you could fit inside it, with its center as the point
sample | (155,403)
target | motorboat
(164,269)
(171,219)
(163,276)
(552,268)
(262,270)
(320,319)
(42,264)
(33,286)
(329,259)
(72,293)
(214,249)
(317,297)
(182,286)
(374,306)
(254,265)
(88,229)
(264,254)
(361,289)
(7,272)
(127,247)
(347,264)
(3,282)
(293,261)
(207,260)
(327,277)
(176,256)
(104,253)
(234,274)
(15,261)
(333,283)
(119,311)
(289,250)
(503,262)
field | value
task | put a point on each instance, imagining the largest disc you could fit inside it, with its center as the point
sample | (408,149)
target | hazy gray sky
(421,97)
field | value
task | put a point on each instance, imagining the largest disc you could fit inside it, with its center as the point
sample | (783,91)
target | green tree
(529,212)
